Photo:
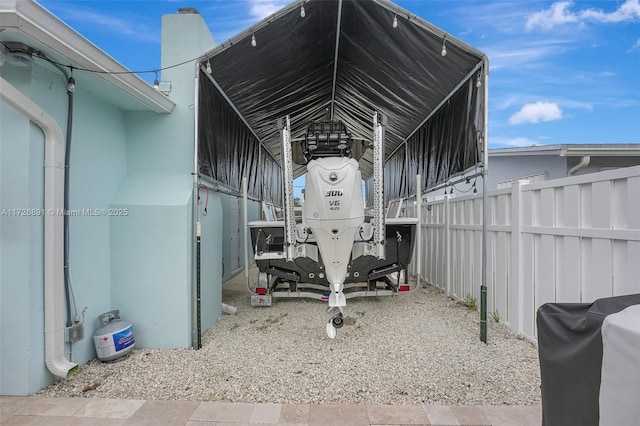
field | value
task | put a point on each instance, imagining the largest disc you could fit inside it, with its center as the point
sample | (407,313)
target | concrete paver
(397,414)
(223,412)
(33,410)
(173,413)
(338,414)
(440,415)
(469,415)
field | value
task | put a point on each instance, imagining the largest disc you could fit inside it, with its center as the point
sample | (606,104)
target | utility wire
(40,55)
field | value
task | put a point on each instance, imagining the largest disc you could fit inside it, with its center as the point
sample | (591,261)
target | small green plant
(495,315)
(469,302)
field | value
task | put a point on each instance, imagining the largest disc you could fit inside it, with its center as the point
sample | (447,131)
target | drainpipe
(54,172)
(584,162)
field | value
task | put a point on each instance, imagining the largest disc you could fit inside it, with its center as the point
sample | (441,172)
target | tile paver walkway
(34,410)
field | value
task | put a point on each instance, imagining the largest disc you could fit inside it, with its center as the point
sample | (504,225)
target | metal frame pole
(379,123)
(245,216)
(485,170)
(287,176)
(195,335)
(198,290)
(419,230)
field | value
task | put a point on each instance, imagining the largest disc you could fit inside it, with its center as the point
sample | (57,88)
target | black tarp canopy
(347,59)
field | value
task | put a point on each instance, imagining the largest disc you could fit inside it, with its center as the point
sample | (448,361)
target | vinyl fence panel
(574,239)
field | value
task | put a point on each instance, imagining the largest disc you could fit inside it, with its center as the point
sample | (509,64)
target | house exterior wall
(21,250)
(233,233)
(98,164)
(152,249)
(232,254)
(513,167)
(210,259)
(140,262)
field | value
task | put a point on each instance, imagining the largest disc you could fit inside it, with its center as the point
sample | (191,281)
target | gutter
(28,18)
(54,173)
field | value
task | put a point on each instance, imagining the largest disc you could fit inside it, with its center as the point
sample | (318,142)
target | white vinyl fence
(575,239)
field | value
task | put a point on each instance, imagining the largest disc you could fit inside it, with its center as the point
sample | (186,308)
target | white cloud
(228,20)
(262,8)
(629,11)
(607,74)
(505,101)
(526,55)
(635,46)
(127,27)
(486,18)
(537,112)
(560,13)
(557,14)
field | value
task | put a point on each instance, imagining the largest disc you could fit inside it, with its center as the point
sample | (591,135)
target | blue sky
(560,72)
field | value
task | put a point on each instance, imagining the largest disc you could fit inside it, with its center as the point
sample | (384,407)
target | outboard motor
(334,210)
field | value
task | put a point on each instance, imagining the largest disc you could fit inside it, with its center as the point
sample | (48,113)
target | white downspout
(584,162)
(54,171)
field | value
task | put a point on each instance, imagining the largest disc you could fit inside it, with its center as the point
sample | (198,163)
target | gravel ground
(413,348)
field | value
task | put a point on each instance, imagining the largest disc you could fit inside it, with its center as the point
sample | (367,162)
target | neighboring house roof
(25,21)
(570,150)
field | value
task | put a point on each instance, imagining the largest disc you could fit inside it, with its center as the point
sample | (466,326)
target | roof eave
(603,150)
(31,19)
(570,150)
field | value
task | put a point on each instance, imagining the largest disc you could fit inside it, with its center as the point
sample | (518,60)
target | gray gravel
(413,348)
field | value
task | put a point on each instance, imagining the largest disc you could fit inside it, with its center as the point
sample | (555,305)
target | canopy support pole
(245,234)
(284,125)
(379,125)
(419,230)
(485,171)
(335,58)
(195,332)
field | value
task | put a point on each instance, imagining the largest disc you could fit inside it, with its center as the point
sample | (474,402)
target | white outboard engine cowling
(334,210)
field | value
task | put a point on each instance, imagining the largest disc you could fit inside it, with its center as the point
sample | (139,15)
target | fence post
(418,265)
(515,267)
(447,246)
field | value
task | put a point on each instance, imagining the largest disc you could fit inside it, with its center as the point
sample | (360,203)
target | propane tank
(114,339)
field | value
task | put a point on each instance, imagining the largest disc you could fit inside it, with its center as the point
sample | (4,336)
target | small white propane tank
(114,339)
